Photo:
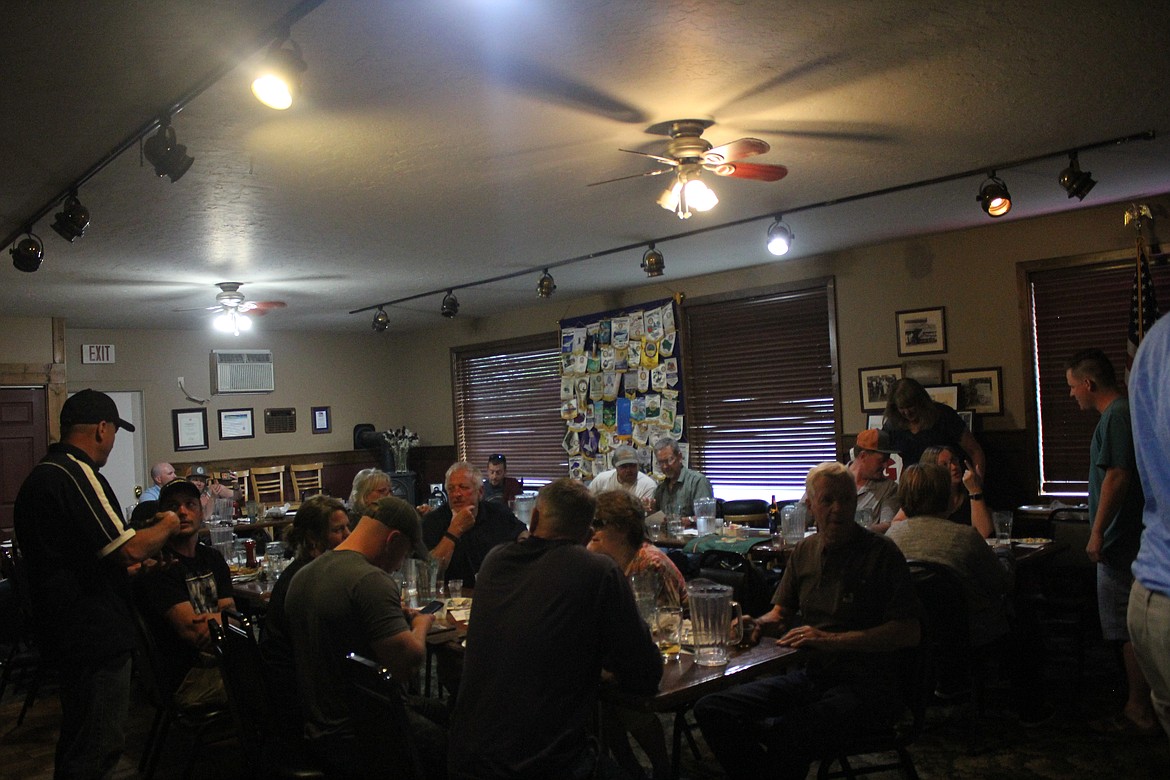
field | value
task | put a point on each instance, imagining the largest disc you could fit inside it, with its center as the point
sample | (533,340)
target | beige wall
(346,372)
(26,340)
(970,272)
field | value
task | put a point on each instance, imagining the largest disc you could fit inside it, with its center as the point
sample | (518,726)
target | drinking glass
(646,585)
(239,552)
(863,517)
(455,589)
(274,558)
(1003,527)
(673,525)
(667,625)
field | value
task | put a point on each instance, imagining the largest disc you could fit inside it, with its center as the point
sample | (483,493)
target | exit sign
(97,353)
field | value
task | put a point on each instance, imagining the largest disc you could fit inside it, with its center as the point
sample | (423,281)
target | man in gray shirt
(677,493)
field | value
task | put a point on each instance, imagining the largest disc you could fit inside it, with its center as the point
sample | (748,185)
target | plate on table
(243,574)
(1031,541)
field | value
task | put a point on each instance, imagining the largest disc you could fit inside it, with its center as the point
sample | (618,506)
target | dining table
(684,682)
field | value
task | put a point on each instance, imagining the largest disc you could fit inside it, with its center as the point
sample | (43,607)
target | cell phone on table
(431,608)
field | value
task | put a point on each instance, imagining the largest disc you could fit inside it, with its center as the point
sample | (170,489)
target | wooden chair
(306,479)
(244,483)
(267,484)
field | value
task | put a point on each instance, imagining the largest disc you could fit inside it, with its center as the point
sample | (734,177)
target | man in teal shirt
(1115,508)
(677,493)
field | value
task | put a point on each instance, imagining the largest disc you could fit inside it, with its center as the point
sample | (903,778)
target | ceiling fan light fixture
(232,321)
(450,306)
(381,321)
(166,154)
(994,197)
(1076,182)
(780,237)
(545,287)
(278,81)
(27,253)
(72,220)
(653,263)
(687,194)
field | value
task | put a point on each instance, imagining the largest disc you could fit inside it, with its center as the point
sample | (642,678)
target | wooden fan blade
(757,171)
(262,307)
(631,176)
(659,158)
(735,150)
(201,308)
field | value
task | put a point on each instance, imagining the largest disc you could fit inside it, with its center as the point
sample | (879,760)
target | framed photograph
(875,385)
(968,418)
(925,372)
(322,419)
(944,394)
(980,389)
(236,424)
(190,429)
(922,331)
(875,420)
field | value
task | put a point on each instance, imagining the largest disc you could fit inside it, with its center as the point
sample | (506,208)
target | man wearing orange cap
(875,491)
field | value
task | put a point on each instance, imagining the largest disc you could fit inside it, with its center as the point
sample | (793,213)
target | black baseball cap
(398,515)
(89,407)
(178,487)
(497,458)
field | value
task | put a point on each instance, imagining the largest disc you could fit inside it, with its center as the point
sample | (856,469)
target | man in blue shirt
(1149,601)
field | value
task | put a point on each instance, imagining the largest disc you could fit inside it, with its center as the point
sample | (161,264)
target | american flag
(1143,309)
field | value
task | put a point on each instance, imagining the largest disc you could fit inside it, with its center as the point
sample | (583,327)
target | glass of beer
(667,624)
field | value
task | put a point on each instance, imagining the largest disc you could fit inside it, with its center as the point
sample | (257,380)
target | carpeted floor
(956,744)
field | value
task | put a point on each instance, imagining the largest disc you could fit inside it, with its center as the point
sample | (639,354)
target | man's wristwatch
(454,539)
(975,496)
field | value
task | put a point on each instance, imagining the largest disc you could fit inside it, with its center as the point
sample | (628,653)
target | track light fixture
(27,253)
(450,306)
(546,286)
(994,197)
(780,237)
(278,81)
(166,154)
(653,263)
(381,321)
(72,220)
(1076,182)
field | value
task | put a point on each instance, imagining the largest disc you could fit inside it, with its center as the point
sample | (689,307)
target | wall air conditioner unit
(241,371)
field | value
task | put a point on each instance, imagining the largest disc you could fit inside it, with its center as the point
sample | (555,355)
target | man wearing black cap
(77,552)
(179,599)
(344,601)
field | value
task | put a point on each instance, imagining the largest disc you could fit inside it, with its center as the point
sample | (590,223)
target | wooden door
(23,442)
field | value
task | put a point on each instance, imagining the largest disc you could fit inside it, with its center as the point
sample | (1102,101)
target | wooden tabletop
(683,681)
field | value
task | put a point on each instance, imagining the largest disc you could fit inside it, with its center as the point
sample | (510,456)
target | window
(761,388)
(1075,308)
(507,400)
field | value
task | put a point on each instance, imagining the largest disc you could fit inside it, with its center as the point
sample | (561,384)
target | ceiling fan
(688,154)
(233,308)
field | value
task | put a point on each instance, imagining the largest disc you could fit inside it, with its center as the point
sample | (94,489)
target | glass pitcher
(712,613)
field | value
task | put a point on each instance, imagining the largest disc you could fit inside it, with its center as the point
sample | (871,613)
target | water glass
(666,632)
(455,589)
(239,552)
(274,558)
(1003,527)
(863,517)
(673,525)
(646,586)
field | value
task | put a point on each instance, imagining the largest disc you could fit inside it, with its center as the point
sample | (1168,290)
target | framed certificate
(236,424)
(190,429)
(322,419)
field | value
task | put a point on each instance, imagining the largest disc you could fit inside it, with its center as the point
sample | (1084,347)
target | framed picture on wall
(236,424)
(875,420)
(968,418)
(322,419)
(980,389)
(924,372)
(875,385)
(922,331)
(944,394)
(190,429)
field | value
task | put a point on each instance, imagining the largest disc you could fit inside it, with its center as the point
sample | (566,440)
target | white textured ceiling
(448,141)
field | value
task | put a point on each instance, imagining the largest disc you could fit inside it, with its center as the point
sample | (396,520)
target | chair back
(267,484)
(944,604)
(244,483)
(244,676)
(748,583)
(385,738)
(746,511)
(306,479)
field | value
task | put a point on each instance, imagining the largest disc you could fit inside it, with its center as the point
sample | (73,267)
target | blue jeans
(95,704)
(777,726)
